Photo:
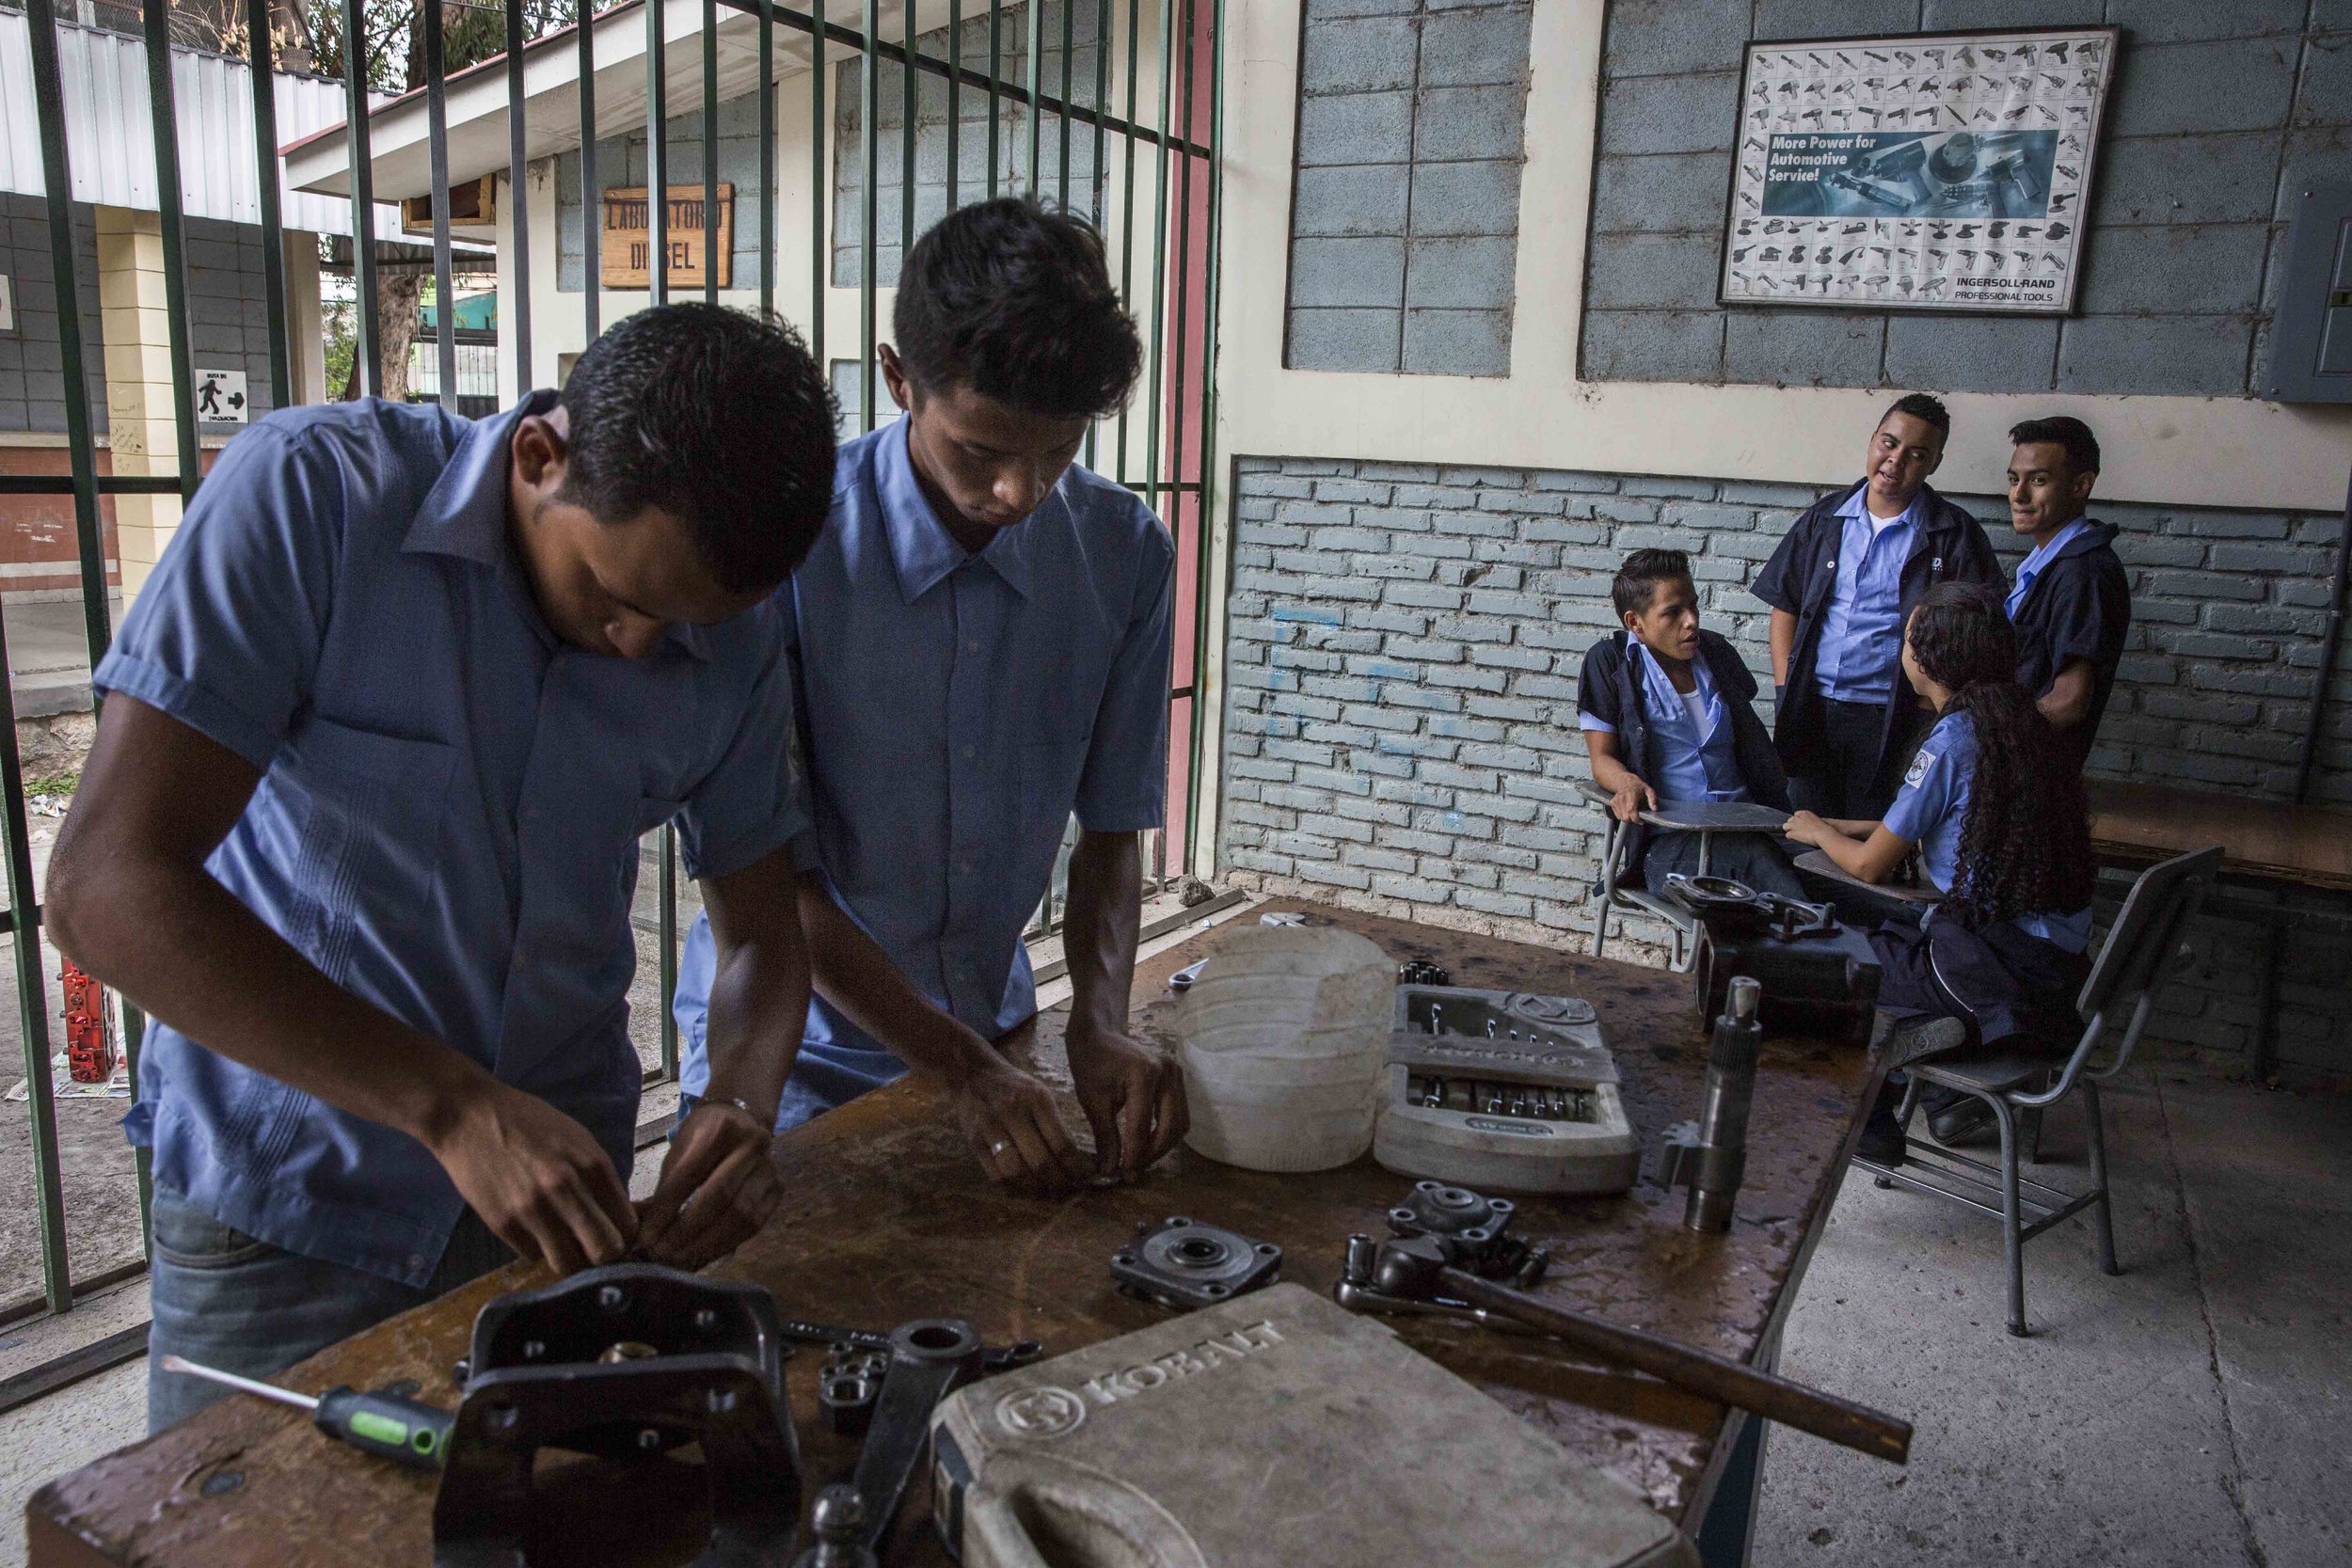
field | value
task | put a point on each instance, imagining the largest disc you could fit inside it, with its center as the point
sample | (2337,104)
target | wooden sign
(626,247)
(471,205)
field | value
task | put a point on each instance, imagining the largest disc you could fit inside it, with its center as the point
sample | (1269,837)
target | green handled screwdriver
(400,1429)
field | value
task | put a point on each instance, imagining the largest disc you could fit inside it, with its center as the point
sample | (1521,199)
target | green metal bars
(1172,444)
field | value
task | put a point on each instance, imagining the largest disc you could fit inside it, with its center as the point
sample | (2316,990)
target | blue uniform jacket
(2079,606)
(1950,547)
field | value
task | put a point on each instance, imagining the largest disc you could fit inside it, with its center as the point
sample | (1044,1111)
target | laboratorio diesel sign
(1932,173)
(625,249)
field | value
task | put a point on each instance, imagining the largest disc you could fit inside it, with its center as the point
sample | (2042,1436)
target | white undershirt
(1694,704)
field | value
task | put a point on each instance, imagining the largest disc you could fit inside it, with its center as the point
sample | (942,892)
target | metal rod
(1127,208)
(995,83)
(437,136)
(81,441)
(231,1380)
(1702,1373)
(1159,270)
(955,107)
(711,151)
(32,1003)
(1205,470)
(1030,76)
(908,109)
(591,198)
(518,178)
(156,20)
(869,161)
(656,158)
(1102,100)
(2327,642)
(365,353)
(1068,16)
(262,75)
(767,224)
(819,179)
(668,950)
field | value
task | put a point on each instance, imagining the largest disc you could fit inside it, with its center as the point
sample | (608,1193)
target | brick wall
(32,363)
(2218,115)
(1404,643)
(1405,218)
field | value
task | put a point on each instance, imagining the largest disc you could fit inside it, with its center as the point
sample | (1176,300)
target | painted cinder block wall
(2220,113)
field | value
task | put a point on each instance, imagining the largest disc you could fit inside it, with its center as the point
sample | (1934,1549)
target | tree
(392,59)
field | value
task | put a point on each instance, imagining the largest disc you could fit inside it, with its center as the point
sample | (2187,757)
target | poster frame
(2092,158)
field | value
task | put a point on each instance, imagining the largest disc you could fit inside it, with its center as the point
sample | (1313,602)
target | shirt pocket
(368,845)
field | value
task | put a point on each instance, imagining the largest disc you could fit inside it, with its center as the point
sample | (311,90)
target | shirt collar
(2049,550)
(463,515)
(921,549)
(1661,686)
(1856,505)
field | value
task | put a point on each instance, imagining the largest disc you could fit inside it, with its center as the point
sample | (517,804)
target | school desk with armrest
(1620,889)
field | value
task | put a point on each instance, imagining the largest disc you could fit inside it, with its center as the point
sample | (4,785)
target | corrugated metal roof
(110,136)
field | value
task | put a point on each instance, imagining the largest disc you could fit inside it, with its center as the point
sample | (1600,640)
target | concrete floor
(2195,1411)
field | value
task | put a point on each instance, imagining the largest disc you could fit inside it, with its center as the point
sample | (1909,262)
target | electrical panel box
(2311,339)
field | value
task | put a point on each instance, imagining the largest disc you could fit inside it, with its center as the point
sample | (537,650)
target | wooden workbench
(2272,841)
(886,1217)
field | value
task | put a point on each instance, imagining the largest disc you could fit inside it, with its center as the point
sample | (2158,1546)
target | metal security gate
(1160,152)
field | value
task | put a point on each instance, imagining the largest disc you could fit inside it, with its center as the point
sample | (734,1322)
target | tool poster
(1941,172)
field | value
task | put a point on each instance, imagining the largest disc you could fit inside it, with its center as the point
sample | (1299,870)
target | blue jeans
(222,1299)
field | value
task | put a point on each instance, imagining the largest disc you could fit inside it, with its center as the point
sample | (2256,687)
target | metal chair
(2144,949)
(1704,817)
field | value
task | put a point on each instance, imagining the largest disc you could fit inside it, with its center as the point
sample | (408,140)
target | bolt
(611,1297)
(649,1440)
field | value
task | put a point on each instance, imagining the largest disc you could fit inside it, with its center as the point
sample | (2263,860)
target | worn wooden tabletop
(887,1218)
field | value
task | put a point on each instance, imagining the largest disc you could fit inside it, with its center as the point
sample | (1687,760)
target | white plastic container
(1283,1039)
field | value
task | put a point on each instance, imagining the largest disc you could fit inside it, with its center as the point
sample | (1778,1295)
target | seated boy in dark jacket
(1667,717)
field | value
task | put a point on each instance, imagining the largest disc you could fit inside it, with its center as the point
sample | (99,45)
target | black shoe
(1969,1120)
(1883,1141)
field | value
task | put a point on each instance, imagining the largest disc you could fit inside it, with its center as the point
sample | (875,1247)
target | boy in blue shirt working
(360,831)
(2073,602)
(980,644)
(1668,715)
(1840,585)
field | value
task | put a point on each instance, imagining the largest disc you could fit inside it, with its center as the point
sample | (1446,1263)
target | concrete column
(306,332)
(140,395)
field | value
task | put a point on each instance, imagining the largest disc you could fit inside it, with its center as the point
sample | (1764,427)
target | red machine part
(89,1036)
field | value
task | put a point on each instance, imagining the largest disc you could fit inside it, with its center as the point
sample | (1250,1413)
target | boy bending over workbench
(979,648)
(360,833)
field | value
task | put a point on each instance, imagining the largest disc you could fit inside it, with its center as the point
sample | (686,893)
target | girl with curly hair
(1997,814)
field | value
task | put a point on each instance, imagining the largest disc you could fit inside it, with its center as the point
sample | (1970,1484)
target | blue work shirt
(1932,810)
(1862,628)
(2041,555)
(956,709)
(451,800)
(1697,756)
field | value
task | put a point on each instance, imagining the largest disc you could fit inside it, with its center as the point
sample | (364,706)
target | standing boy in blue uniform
(2071,605)
(359,833)
(1840,585)
(1668,715)
(980,644)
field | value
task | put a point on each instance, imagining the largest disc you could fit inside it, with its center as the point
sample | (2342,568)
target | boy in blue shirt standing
(981,644)
(1668,715)
(360,833)
(2071,605)
(1840,585)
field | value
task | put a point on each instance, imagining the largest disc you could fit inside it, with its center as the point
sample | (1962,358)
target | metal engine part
(1504,1090)
(627,1363)
(1422,972)
(1469,1229)
(1821,977)
(1711,1154)
(848,1387)
(1182,1263)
